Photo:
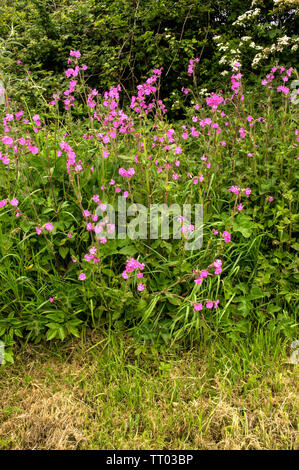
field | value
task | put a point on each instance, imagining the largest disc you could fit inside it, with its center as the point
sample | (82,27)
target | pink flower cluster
(191,65)
(90,102)
(126,173)
(7,140)
(14,202)
(134,265)
(138,103)
(71,164)
(214,101)
(47,226)
(56,98)
(10,117)
(70,72)
(217,266)
(236,80)
(237,189)
(4,158)
(209,304)
(226,236)
(91,255)
(270,77)
(111,97)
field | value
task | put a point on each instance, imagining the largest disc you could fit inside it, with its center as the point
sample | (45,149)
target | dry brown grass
(72,401)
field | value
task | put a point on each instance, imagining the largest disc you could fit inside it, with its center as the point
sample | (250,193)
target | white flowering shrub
(255,28)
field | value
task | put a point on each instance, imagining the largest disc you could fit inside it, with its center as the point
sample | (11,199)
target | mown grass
(101,392)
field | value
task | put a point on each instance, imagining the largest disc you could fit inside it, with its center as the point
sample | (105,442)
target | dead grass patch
(76,400)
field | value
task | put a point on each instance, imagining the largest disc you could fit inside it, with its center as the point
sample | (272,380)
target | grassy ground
(97,393)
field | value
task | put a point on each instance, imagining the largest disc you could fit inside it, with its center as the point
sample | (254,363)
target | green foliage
(248,141)
(122,40)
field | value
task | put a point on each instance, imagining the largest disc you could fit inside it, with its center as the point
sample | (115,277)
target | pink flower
(217,263)
(7,140)
(270,198)
(285,90)
(209,304)
(5,159)
(235,189)
(69,235)
(227,236)
(197,307)
(14,202)
(96,198)
(33,149)
(240,207)
(198,281)
(38,230)
(49,226)
(3,203)
(140,287)
(178,150)
(204,273)
(82,277)
(93,250)
(75,54)
(51,300)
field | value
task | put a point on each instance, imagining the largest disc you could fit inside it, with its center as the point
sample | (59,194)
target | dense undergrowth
(63,265)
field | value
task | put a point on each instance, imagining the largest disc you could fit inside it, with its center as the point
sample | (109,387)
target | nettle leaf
(243,224)
(244,307)
(257,293)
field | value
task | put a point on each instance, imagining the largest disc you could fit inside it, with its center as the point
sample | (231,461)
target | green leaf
(256,293)
(244,225)
(51,334)
(129,250)
(63,251)
(173,300)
